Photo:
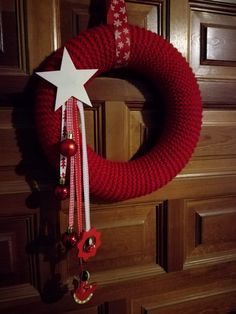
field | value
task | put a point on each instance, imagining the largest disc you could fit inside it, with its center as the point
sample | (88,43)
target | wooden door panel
(212,51)
(14,261)
(95,127)
(217,135)
(116,123)
(215,152)
(9,56)
(209,233)
(221,304)
(212,36)
(12,47)
(23,43)
(149,16)
(10,149)
(125,242)
(77,16)
(213,47)
(128,127)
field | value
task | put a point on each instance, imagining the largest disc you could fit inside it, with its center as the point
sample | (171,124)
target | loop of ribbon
(117,16)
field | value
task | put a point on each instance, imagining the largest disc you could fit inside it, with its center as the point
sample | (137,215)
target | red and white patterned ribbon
(78,173)
(116,16)
(69,126)
(78,166)
(63,159)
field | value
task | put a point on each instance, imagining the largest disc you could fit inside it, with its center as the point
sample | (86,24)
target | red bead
(62,192)
(68,147)
(69,239)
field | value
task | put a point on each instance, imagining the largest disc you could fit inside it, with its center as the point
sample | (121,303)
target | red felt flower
(88,244)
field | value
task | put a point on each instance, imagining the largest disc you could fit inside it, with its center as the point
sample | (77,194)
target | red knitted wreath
(160,62)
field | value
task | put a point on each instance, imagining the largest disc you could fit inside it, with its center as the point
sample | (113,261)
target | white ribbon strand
(85,168)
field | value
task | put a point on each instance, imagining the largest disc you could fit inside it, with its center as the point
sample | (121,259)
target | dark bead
(85,275)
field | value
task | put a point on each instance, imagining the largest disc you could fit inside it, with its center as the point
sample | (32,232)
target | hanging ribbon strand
(77,165)
(85,169)
(70,136)
(117,16)
(63,159)
(90,238)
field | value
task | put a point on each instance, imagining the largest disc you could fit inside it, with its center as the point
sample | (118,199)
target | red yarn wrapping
(158,60)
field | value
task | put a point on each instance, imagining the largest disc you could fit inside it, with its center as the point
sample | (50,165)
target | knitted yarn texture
(150,56)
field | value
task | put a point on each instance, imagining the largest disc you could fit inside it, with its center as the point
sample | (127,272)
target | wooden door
(172,251)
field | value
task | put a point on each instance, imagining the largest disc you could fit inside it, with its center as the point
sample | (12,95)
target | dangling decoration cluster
(87,239)
(74,173)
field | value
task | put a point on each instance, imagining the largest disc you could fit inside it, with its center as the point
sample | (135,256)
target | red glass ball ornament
(62,192)
(69,239)
(68,147)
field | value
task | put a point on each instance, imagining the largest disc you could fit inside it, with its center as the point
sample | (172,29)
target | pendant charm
(88,244)
(84,292)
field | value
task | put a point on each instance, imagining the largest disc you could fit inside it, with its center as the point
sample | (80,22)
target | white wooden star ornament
(69,81)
